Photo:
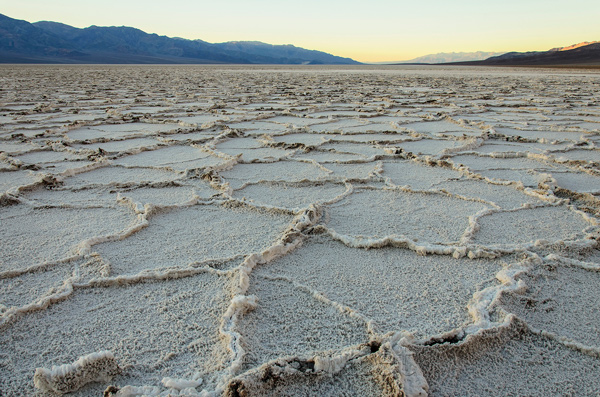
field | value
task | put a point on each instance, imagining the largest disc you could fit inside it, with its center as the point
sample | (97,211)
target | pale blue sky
(377,30)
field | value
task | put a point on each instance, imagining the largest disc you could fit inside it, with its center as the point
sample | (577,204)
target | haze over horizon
(383,31)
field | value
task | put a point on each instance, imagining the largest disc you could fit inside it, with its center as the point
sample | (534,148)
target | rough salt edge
(574,262)
(473,228)
(478,307)
(395,241)
(241,303)
(590,350)
(181,384)
(83,249)
(66,378)
(349,190)
(482,301)
(63,292)
(398,360)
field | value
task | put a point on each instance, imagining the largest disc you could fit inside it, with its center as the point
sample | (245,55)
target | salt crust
(95,367)
(448,197)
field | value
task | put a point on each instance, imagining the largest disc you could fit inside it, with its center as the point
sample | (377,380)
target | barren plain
(247,231)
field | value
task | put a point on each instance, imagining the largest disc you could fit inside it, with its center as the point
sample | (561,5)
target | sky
(367,31)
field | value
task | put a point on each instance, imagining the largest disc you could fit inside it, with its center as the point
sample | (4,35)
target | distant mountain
(583,54)
(444,57)
(53,42)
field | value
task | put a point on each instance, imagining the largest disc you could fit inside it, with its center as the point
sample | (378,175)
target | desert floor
(299,231)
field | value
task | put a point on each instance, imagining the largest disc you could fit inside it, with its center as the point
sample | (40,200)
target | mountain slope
(580,55)
(288,51)
(21,37)
(53,42)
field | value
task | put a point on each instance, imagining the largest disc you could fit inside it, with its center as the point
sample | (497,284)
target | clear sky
(365,30)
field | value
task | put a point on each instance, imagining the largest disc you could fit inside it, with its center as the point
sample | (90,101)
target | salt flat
(240,231)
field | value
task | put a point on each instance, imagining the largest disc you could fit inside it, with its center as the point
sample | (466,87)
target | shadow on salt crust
(63,166)
(304,325)
(304,139)
(41,235)
(481,163)
(394,287)
(168,195)
(542,135)
(428,146)
(519,147)
(376,128)
(115,175)
(329,157)
(47,157)
(32,286)
(109,131)
(560,299)
(431,218)
(580,155)
(284,171)
(199,120)
(120,146)
(507,361)
(528,225)
(358,171)
(259,126)
(251,150)
(291,196)
(436,127)
(179,237)
(368,138)
(179,158)
(190,137)
(167,328)
(258,155)
(529,178)
(417,175)
(504,196)
(363,149)
(237,145)
(579,182)
(335,125)
(13,179)
(294,121)
(92,197)
(14,148)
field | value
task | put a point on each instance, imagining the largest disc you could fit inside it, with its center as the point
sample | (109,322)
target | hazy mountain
(445,57)
(53,42)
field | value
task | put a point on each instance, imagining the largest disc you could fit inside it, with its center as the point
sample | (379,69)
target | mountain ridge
(579,55)
(55,42)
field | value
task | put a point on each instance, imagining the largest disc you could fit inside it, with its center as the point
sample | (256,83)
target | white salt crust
(236,231)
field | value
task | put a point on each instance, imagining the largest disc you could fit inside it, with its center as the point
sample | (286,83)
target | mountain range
(53,42)
(586,54)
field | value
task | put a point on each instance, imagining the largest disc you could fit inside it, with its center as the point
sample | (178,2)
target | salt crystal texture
(268,230)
